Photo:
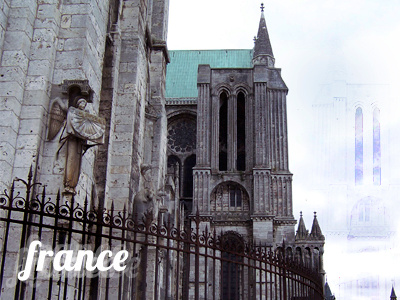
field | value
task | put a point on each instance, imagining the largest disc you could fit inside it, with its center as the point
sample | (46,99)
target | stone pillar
(201,190)
(32,132)
(203,116)
(278,129)
(109,89)
(232,132)
(215,104)
(14,64)
(158,63)
(126,145)
(158,138)
(202,171)
(261,190)
(262,141)
(250,131)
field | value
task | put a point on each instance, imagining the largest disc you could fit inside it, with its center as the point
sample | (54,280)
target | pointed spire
(316,233)
(328,292)
(393,295)
(302,232)
(262,46)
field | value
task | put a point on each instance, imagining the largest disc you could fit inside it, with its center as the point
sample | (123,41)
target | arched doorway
(231,269)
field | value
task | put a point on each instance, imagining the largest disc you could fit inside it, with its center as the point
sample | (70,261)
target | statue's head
(81,103)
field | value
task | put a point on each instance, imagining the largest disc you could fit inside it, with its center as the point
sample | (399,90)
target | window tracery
(182,136)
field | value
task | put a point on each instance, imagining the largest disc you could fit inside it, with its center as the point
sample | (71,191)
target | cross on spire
(262,7)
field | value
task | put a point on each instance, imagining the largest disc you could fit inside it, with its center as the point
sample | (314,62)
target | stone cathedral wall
(117,50)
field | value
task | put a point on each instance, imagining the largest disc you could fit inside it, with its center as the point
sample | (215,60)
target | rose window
(182,136)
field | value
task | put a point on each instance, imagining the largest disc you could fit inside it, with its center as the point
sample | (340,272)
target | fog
(328,50)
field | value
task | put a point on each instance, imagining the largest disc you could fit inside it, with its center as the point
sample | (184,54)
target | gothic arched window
(241,133)
(229,196)
(359,145)
(235,196)
(223,132)
(377,147)
(181,151)
(188,166)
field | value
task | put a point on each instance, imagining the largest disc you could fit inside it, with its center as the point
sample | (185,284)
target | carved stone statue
(81,131)
(145,201)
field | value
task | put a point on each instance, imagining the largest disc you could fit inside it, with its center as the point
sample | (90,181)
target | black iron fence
(166,260)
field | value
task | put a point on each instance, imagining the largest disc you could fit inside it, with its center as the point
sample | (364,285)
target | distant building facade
(356,146)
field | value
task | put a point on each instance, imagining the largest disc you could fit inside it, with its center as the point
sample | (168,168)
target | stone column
(202,171)
(32,132)
(14,64)
(203,116)
(262,141)
(127,129)
(215,103)
(232,132)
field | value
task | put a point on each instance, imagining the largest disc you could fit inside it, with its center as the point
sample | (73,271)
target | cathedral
(357,127)
(232,132)
(101,114)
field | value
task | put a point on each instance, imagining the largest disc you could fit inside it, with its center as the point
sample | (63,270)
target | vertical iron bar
(235,264)
(70,227)
(177,277)
(270,280)
(86,220)
(229,275)
(266,278)
(40,237)
(109,246)
(134,270)
(19,289)
(82,272)
(143,271)
(284,280)
(8,221)
(167,263)
(197,260)
(260,276)
(249,270)
(242,277)
(280,282)
(276,291)
(205,272)
(158,241)
(57,208)
(214,264)
(121,277)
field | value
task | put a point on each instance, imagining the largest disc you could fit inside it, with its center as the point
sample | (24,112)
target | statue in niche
(81,131)
(145,201)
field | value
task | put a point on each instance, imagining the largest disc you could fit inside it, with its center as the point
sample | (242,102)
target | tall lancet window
(377,147)
(359,144)
(223,132)
(241,133)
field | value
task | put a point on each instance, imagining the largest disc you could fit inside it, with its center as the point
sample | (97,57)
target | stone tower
(242,180)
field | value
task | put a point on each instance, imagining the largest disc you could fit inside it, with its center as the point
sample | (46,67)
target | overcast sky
(314,42)
(308,36)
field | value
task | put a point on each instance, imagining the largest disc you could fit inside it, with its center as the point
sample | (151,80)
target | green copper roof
(182,70)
